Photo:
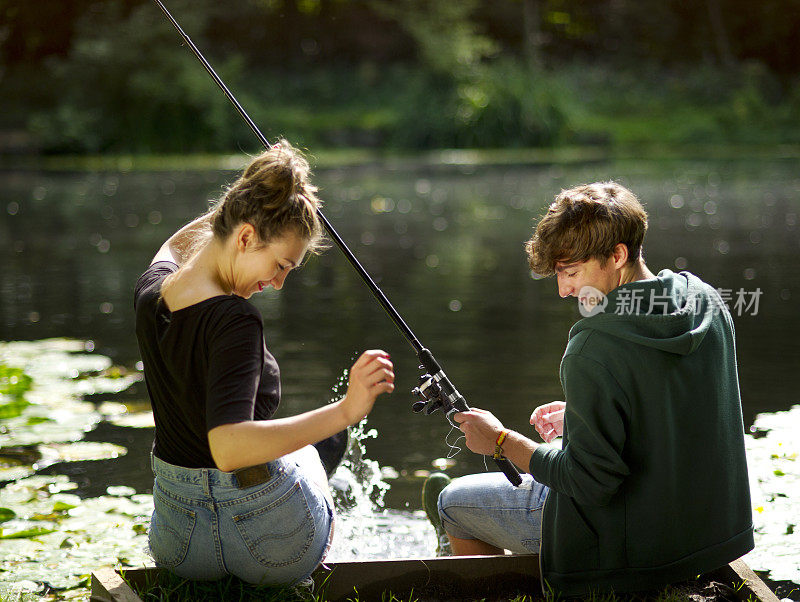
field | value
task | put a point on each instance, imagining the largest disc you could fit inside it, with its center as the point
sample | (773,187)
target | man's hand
(548,420)
(480,429)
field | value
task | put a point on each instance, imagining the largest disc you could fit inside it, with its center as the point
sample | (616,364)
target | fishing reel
(435,391)
(432,396)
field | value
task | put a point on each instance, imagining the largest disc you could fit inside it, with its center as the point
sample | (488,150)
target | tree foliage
(125,83)
(95,76)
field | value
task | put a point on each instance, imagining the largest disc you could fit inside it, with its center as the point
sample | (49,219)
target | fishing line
(454,448)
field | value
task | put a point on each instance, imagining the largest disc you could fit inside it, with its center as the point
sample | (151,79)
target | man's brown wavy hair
(587,222)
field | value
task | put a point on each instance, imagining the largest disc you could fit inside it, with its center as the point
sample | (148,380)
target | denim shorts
(489,508)
(205,527)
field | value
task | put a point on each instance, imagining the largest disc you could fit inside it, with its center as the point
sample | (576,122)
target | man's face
(577,279)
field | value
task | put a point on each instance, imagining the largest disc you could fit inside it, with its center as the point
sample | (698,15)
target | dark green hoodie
(650,486)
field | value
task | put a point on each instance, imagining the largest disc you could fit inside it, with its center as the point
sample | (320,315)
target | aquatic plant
(773,456)
(52,538)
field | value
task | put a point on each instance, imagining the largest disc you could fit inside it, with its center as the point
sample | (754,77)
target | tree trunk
(719,34)
(531,22)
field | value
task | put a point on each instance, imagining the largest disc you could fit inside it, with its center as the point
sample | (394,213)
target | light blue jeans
(205,527)
(489,508)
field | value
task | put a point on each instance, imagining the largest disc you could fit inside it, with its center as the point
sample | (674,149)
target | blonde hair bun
(274,194)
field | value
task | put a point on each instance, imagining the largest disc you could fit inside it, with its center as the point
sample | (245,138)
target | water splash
(364,527)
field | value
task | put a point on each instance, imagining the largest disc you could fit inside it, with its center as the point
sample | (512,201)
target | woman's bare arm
(242,444)
(178,247)
(254,442)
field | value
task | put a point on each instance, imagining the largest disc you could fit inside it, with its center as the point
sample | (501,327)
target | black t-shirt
(205,365)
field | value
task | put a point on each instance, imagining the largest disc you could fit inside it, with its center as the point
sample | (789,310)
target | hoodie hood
(671,312)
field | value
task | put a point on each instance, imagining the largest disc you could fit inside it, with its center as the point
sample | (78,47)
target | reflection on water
(445,244)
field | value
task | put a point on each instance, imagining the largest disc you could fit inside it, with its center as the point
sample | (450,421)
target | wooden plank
(753,581)
(447,577)
(109,586)
(738,573)
(465,577)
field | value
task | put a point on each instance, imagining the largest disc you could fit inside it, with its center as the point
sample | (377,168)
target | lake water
(444,242)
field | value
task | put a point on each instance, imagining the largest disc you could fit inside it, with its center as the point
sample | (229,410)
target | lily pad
(112,408)
(26,533)
(73,536)
(39,420)
(13,408)
(14,473)
(79,451)
(18,589)
(54,375)
(13,381)
(137,420)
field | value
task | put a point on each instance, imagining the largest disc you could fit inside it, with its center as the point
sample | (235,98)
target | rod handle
(508,468)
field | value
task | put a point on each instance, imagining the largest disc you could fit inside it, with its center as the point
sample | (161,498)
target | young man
(650,485)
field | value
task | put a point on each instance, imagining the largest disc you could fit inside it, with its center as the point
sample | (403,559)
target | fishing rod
(435,389)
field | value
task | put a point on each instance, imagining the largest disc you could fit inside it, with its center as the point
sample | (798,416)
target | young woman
(237,492)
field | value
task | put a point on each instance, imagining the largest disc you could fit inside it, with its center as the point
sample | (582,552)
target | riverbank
(331,158)
(396,107)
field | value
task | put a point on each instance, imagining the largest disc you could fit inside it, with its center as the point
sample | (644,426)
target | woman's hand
(480,429)
(548,420)
(371,375)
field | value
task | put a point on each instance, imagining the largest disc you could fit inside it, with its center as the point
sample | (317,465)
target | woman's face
(258,267)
